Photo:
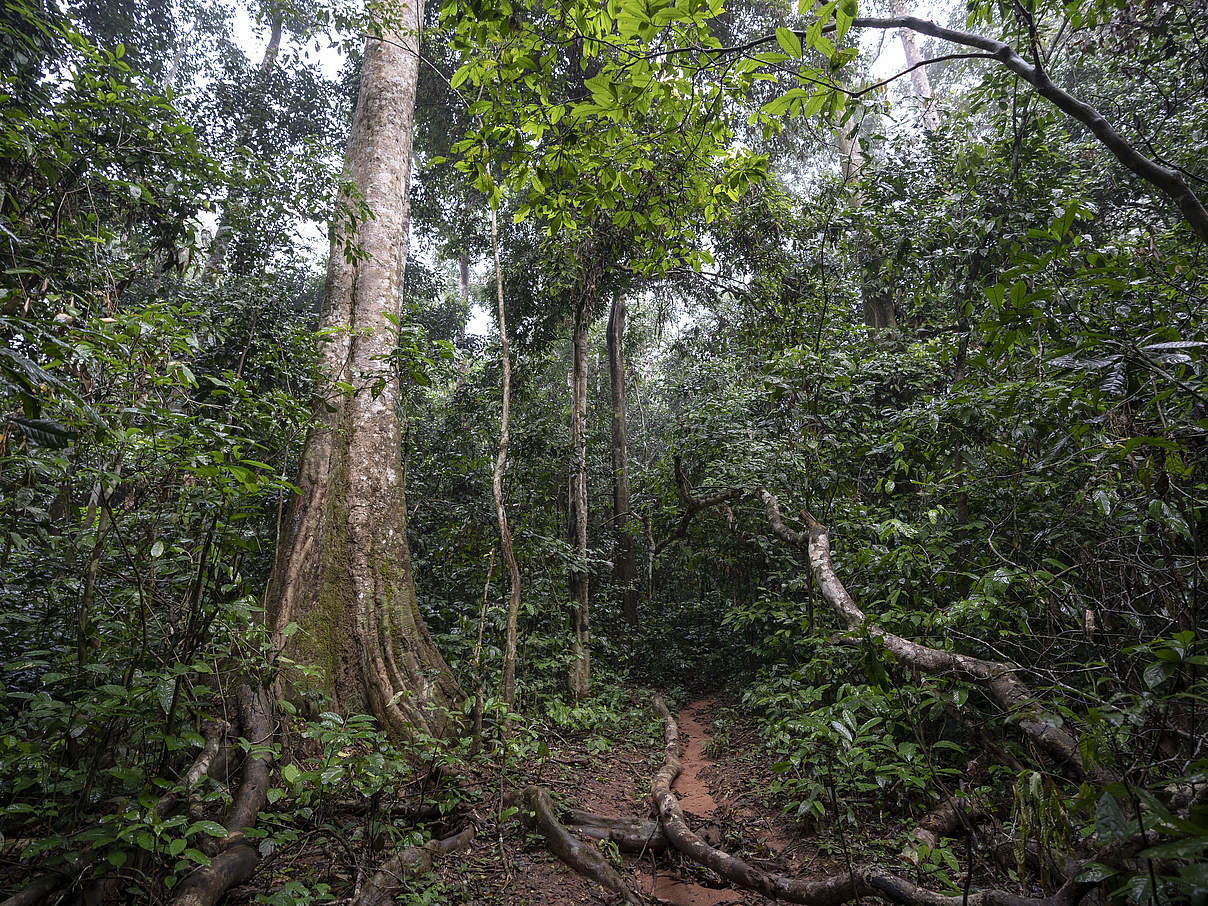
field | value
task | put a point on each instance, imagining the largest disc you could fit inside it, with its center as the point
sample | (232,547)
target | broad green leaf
(789,41)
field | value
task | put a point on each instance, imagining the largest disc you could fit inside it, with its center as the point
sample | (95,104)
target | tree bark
(463,277)
(381,889)
(878,305)
(624,570)
(237,859)
(579,680)
(501,458)
(342,595)
(583,857)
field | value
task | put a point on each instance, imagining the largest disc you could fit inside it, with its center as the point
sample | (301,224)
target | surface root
(585,858)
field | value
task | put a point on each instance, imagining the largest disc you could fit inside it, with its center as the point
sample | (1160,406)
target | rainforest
(550,452)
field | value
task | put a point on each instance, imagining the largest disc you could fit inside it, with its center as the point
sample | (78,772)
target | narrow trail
(690,786)
(718,789)
(697,800)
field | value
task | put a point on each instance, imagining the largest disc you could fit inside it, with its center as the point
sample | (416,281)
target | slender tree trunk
(222,236)
(918,72)
(579,680)
(342,596)
(463,275)
(624,571)
(501,458)
(878,305)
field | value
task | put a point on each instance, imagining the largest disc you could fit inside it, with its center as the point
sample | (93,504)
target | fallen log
(583,857)
(409,862)
(237,859)
(831,891)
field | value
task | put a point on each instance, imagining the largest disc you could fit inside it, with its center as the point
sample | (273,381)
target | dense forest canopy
(820,518)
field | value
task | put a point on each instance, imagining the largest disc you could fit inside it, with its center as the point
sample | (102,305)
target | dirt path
(691,788)
(718,790)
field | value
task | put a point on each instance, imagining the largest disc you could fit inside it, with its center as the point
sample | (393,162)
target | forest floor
(722,790)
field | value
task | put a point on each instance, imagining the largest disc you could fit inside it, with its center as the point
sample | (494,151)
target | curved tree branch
(1014,696)
(694,504)
(1167,179)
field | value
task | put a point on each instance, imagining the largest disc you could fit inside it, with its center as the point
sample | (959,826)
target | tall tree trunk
(342,596)
(222,236)
(579,680)
(624,571)
(918,72)
(501,458)
(463,274)
(878,304)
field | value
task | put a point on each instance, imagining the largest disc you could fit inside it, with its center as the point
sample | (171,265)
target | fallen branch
(409,862)
(832,891)
(584,858)
(999,679)
(237,860)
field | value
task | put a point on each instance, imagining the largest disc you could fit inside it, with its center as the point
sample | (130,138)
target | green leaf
(1110,822)
(844,16)
(213,828)
(1190,848)
(290,773)
(789,42)
(46,432)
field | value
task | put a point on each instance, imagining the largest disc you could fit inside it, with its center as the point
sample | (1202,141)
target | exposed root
(583,857)
(41,889)
(950,816)
(954,814)
(237,860)
(411,861)
(631,835)
(214,732)
(830,891)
